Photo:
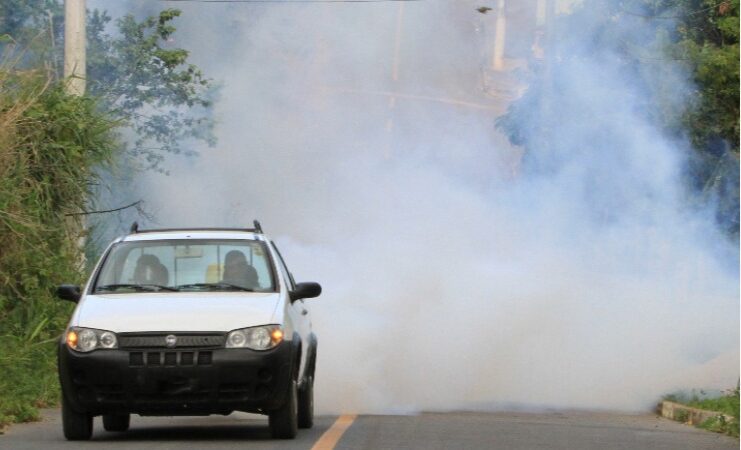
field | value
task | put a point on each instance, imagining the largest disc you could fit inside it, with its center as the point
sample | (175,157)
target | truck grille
(140,359)
(159,340)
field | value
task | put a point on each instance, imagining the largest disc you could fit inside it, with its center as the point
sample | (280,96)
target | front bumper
(175,382)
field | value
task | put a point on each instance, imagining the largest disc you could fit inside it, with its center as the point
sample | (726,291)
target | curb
(687,414)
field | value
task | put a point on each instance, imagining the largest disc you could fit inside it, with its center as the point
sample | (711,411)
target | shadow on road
(257,432)
(215,432)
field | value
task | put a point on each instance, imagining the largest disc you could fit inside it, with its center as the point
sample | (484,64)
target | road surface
(511,431)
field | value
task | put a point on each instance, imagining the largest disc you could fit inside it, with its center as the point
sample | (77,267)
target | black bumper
(175,382)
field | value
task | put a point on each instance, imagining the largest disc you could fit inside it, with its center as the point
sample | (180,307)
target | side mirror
(69,292)
(306,290)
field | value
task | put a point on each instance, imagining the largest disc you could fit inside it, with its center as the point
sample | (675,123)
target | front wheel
(116,422)
(284,420)
(76,426)
(306,404)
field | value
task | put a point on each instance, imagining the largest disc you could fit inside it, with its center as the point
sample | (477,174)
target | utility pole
(547,90)
(74,46)
(499,38)
(74,76)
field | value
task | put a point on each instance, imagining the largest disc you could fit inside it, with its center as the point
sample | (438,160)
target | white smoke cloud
(448,281)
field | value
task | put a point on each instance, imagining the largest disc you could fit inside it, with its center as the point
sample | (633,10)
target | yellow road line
(331,437)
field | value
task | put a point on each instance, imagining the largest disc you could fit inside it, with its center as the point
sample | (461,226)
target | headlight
(88,339)
(256,338)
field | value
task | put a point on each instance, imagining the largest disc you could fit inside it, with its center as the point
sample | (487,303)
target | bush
(50,142)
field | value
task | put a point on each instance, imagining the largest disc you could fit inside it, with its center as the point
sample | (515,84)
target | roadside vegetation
(726,404)
(50,143)
(698,39)
(57,151)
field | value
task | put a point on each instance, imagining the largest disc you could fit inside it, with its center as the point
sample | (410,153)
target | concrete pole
(499,38)
(74,46)
(74,76)
(540,13)
(546,104)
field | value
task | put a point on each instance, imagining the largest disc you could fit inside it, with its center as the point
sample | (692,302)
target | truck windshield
(192,265)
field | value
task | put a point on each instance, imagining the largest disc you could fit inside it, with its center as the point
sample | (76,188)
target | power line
(291,1)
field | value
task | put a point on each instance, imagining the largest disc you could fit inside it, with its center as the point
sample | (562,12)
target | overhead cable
(292,1)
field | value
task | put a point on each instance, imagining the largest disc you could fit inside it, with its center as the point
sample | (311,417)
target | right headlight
(255,338)
(88,339)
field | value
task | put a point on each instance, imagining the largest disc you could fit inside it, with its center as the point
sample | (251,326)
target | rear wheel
(284,420)
(306,404)
(77,426)
(116,422)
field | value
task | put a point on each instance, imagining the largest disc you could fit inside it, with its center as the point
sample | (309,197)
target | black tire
(116,422)
(306,404)
(77,426)
(284,420)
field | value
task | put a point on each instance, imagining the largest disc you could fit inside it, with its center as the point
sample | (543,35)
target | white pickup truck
(188,322)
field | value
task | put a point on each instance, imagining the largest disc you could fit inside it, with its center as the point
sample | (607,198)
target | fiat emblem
(171,340)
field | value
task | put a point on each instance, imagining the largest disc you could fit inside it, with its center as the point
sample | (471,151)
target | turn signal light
(277,335)
(72,339)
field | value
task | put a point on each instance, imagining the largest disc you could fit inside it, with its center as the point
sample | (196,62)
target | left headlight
(88,339)
(255,338)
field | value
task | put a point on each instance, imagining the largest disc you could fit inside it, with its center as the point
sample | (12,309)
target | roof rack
(257,229)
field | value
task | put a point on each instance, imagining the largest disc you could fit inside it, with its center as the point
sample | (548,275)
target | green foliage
(153,88)
(708,43)
(136,74)
(24,19)
(681,416)
(720,424)
(50,143)
(727,404)
(646,41)
(38,27)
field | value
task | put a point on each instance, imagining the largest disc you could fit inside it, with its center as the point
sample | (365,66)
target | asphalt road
(566,430)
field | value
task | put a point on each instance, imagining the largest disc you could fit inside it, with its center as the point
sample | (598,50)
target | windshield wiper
(136,287)
(220,286)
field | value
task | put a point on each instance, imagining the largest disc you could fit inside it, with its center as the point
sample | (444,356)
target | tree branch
(85,213)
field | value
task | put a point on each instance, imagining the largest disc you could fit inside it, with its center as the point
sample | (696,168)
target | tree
(152,88)
(708,41)
(709,44)
(144,83)
(645,41)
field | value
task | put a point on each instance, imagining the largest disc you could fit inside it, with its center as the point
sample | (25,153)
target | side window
(283,268)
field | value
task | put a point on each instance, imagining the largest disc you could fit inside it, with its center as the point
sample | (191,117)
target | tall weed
(50,142)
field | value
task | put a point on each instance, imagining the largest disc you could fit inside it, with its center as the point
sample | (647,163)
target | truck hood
(176,311)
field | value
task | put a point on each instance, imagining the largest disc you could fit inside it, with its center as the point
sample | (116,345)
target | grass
(29,380)
(49,143)
(727,404)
